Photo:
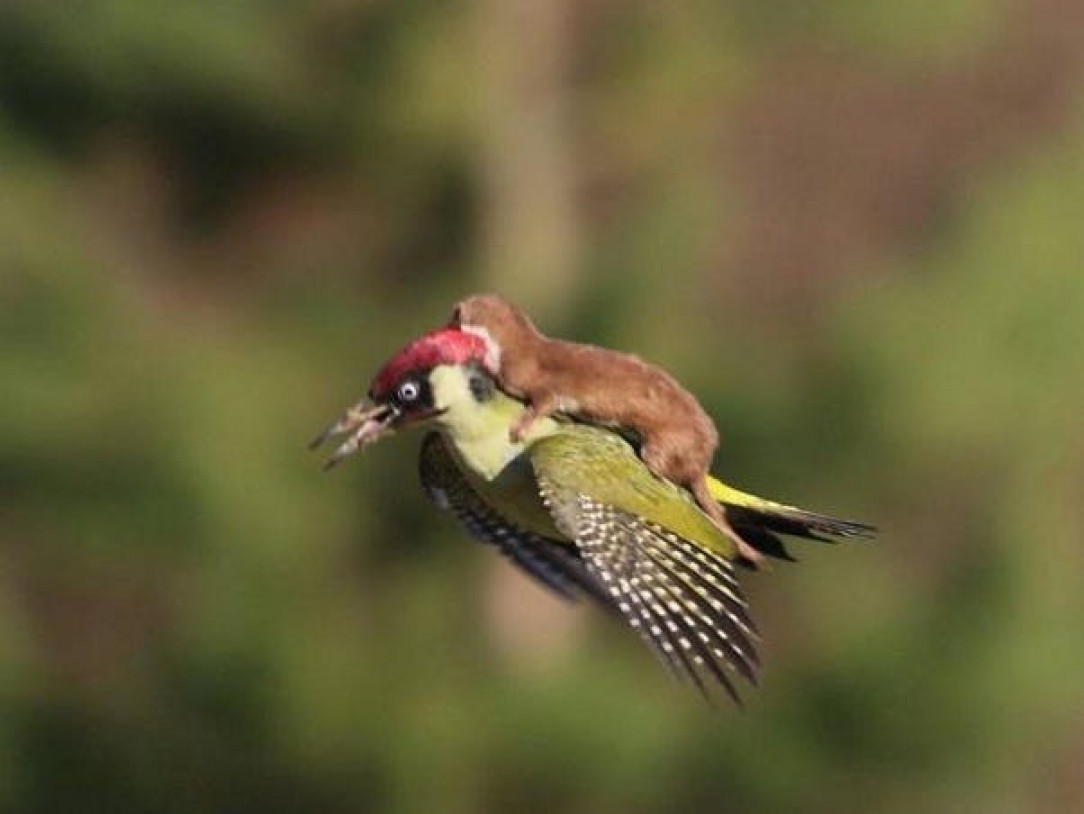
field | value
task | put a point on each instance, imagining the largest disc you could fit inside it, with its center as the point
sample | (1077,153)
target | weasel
(602,386)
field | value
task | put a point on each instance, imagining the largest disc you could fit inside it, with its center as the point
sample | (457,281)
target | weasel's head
(496,321)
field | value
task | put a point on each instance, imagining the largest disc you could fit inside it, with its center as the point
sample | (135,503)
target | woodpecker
(575,507)
(602,386)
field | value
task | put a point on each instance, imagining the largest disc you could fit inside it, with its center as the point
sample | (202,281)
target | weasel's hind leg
(681,464)
(715,511)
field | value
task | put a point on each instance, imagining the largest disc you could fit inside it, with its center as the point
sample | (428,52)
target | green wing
(553,563)
(643,542)
(592,461)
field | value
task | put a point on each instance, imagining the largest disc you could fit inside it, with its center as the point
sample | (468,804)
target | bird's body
(585,459)
(576,507)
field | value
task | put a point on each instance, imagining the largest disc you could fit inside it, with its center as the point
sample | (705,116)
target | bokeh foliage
(853,228)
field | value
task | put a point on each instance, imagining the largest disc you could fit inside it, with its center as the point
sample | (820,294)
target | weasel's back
(615,387)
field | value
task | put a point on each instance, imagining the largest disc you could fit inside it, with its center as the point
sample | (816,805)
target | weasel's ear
(492,360)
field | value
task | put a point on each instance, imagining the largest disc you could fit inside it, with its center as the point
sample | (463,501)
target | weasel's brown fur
(678,439)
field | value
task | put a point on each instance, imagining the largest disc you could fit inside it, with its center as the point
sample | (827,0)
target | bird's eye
(408,391)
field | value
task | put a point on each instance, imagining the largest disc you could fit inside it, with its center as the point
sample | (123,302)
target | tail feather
(759,521)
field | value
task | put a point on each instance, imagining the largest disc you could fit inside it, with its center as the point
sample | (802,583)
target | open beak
(362,424)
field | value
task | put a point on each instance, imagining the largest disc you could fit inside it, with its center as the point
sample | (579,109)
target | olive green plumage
(577,509)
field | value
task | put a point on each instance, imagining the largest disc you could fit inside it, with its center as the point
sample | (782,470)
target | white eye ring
(408,391)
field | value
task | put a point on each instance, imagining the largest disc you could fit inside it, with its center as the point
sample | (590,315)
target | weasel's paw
(753,557)
(519,429)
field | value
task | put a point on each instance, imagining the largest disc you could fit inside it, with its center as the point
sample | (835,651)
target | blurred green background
(854,228)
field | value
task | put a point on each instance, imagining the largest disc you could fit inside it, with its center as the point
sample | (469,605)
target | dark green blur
(855,229)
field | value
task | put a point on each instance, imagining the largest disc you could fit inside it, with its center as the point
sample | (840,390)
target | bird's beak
(362,424)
